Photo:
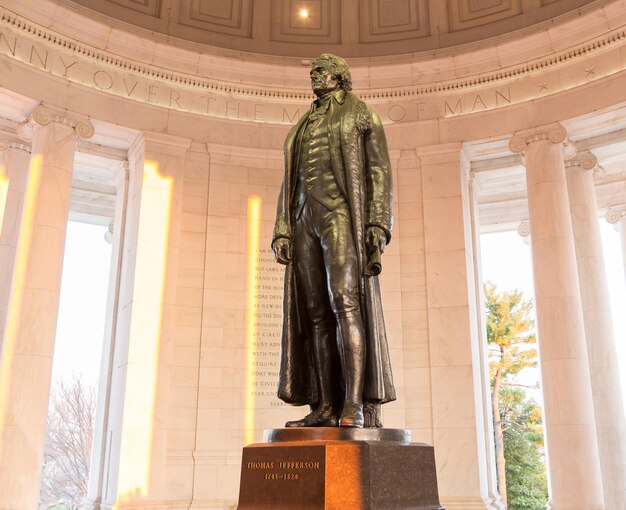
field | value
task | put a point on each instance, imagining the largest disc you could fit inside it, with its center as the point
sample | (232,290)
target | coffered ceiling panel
(392,20)
(232,17)
(150,7)
(306,21)
(470,13)
(351,28)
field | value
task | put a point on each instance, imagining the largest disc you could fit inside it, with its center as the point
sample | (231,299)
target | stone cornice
(429,97)
(495,77)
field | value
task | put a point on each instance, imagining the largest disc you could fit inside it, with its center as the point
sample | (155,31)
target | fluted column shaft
(27,350)
(569,415)
(601,350)
(14,161)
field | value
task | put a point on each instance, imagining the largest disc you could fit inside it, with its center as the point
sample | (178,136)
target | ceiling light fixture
(304,13)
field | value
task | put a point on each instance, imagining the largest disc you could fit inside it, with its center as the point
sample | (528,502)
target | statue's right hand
(282,250)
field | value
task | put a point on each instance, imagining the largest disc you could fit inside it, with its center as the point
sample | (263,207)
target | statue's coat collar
(338,95)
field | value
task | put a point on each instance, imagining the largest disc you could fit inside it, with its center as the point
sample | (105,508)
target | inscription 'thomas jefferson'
(284,465)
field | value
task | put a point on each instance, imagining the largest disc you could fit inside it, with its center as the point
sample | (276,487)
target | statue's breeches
(326,261)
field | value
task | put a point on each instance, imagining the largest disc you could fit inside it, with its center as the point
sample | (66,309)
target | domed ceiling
(351,28)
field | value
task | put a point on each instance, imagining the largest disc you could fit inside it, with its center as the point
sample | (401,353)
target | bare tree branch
(69,437)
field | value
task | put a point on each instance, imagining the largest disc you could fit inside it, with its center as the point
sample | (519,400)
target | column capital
(524,231)
(585,160)
(523,228)
(8,142)
(44,116)
(554,133)
(615,213)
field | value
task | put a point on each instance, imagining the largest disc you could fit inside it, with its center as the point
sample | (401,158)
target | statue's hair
(340,69)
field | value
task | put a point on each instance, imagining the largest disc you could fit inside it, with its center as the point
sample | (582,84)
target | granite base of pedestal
(338,469)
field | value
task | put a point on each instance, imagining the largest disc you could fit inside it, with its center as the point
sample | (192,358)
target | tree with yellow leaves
(510,337)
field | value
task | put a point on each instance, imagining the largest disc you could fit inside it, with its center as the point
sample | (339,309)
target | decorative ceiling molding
(613,38)
(48,51)
(233,17)
(150,7)
(382,21)
(347,27)
(322,25)
(471,13)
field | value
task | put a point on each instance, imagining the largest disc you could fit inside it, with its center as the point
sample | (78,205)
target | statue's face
(322,79)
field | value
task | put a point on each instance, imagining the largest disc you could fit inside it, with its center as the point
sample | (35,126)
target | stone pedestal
(336,468)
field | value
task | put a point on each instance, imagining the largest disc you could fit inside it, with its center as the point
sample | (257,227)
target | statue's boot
(324,415)
(353,360)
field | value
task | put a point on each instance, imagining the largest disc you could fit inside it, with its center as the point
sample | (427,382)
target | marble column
(601,349)
(617,216)
(14,161)
(456,376)
(572,445)
(97,470)
(491,476)
(135,470)
(27,350)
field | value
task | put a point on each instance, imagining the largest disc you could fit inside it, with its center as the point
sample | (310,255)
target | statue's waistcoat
(314,174)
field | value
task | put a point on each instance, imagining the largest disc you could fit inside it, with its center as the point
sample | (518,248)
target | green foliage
(527,486)
(521,413)
(517,418)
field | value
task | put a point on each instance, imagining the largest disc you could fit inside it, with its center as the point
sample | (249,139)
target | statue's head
(328,73)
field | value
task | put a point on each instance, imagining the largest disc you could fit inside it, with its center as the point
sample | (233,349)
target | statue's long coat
(360,163)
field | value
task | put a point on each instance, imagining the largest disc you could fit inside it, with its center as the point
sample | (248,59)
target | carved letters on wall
(22,44)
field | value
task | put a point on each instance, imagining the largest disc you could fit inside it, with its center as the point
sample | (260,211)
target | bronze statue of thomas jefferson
(333,221)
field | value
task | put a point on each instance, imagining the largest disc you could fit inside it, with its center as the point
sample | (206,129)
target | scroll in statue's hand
(375,243)
(282,250)
(375,239)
